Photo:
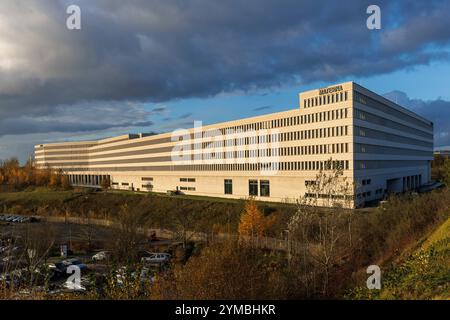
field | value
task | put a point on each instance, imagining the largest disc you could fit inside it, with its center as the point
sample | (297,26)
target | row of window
(328,196)
(314,165)
(380,135)
(264,188)
(87,179)
(187,188)
(366,194)
(284,122)
(382,121)
(282,137)
(315,133)
(366,100)
(309,183)
(285,151)
(315,149)
(187,179)
(272,166)
(253,190)
(325,99)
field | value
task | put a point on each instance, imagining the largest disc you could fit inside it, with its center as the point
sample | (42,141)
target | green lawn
(39,194)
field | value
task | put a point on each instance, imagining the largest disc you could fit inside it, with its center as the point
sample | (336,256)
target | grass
(441,235)
(164,211)
(38,194)
(423,274)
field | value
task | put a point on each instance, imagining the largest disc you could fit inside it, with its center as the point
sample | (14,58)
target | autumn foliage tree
(253,222)
(17,177)
(106,183)
(224,270)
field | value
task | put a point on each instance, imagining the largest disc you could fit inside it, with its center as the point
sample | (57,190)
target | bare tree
(128,232)
(37,243)
(88,229)
(319,229)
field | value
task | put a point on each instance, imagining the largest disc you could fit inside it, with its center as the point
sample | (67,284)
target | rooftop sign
(330,90)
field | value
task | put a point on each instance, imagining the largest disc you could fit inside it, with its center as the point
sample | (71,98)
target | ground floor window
(264,186)
(253,187)
(228,185)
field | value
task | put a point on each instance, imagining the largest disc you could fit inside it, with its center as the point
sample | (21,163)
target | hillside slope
(423,274)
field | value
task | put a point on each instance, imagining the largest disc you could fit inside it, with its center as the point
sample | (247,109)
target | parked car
(74,262)
(157,258)
(100,256)
(60,268)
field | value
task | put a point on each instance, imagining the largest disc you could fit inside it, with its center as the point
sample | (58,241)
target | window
(228,186)
(147,179)
(253,187)
(125,184)
(264,188)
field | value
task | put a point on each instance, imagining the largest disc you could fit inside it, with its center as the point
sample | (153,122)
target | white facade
(380,146)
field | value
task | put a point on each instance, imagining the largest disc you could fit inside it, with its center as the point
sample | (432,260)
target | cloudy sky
(157,65)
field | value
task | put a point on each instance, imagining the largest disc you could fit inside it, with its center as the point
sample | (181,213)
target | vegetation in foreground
(423,274)
(328,256)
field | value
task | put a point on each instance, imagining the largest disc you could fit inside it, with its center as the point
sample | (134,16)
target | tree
(88,229)
(37,243)
(127,233)
(106,183)
(224,270)
(65,182)
(252,221)
(446,172)
(321,230)
(55,179)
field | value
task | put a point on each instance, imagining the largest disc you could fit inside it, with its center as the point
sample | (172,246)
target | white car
(157,258)
(100,256)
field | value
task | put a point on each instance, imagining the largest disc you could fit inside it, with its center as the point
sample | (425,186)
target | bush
(225,271)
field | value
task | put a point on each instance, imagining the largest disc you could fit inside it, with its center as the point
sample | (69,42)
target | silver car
(157,258)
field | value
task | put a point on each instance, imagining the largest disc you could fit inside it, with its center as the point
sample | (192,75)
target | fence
(258,242)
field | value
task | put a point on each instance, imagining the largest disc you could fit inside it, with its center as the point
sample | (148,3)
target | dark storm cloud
(156,51)
(161,50)
(437,111)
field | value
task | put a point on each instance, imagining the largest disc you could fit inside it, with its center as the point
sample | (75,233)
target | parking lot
(16,218)
(72,252)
